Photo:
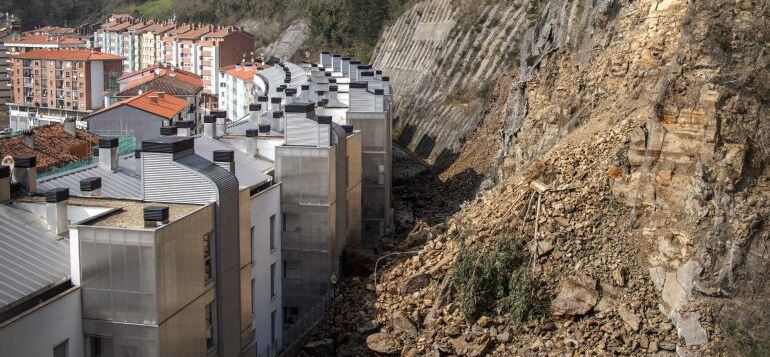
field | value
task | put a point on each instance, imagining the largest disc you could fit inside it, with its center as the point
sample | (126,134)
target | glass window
(208,275)
(272,232)
(61,349)
(272,280)
(253,308)
(272,326)
(211,341)
(252,243)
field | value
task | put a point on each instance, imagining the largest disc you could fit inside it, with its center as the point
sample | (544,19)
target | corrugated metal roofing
(126,182)
(31,257)
(249,171)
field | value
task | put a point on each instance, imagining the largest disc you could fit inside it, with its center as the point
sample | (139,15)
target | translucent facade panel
(375,132)
(374,169)
(118,269)
(304,175)
(376,204)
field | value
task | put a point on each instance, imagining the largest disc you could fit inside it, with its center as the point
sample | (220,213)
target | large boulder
(577,296)
(383,342)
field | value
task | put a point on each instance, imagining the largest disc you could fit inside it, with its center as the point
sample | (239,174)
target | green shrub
(499,282)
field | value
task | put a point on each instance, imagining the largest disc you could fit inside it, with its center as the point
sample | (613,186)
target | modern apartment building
(166,294)
(200,49)
(52,85)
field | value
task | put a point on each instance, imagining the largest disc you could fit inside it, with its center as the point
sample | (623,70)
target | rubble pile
(641,206)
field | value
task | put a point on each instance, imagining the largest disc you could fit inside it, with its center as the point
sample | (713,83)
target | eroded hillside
(629,208)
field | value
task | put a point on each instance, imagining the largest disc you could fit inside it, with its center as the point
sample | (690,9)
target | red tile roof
(53,146)
(68,54)
(196,33)
(244,72)
(165,107)
(45,40)
(146,74)
(173,85)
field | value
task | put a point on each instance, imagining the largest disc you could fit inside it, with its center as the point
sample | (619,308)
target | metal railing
(126,145)
(308,321)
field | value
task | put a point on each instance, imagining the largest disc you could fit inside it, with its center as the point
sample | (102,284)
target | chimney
(221,117)
(379,100)
(5,183)
(56,209)
(168,130)
(333,93)
(275,104)
(161,95)
(154,98)
(254,110)
(277,122)
(91,187)
(184,127)
(225,159)
(263,101)
(305,95)
(155,216)
(108,153)
(251,142)
(25,173)
(28,139)
(210,126)
(69,126)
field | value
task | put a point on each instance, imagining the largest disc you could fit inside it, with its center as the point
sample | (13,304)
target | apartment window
(291,270)
(290,315)
(272,232)
(208,275)
(272,280)
(211,338)
(61,349)
(98,346)
(381,175)
(272,326)
(252,243)
(253,308)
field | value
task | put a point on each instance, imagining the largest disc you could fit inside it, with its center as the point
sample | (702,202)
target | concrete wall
(49,324)
(128,120)
(264,205)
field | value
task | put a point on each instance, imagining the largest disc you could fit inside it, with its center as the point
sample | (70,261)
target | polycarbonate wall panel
(181,275)
(184,333)
(374,205)
(118,270)
(374,128)
(304,175)
(354,159)
(128,340)
(307,227)
(354,215)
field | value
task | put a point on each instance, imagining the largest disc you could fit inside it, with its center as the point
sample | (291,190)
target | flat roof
(131,212)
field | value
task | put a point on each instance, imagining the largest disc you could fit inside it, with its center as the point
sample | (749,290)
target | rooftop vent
(91,186)
(262,99)
(108,153)
(324,119)
(210,126)
(5,183)
(155,216)
(252,133)
(225,159)
(347,128)
(264,128)
(300,108)
(56,209)
(277,115)
(168,130)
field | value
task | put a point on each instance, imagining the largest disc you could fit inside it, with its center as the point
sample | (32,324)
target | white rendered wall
(263,205)
(97,85)
(44,327)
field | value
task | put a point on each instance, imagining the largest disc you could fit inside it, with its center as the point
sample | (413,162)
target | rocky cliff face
(631,170)
(443,57)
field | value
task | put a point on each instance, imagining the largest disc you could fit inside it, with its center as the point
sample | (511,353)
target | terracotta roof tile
(166,107)
(169,84)
(46,40)
(53,146)
(68,54)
